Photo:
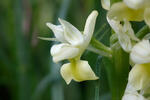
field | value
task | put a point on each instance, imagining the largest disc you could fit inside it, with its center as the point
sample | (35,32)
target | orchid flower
(139,76)
(72,45)
(124,33)
(131,10)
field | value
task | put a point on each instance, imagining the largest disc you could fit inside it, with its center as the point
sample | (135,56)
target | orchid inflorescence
(73,43)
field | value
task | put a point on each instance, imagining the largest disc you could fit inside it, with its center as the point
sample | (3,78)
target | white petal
(129,31)
(78,71)
(125,41)
(63,51)
(122,32)
(72,34)
(105,4)
(58,31)
(114,24)
(89,27)
(139,76)
(135,4)
(147,16)
(130,88)
(133,96)
(82,71)
(141,52)
(66,72)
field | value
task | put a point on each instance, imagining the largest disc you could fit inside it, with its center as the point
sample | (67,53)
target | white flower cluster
(125,11)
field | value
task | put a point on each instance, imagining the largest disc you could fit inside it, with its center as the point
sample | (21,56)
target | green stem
(97,91)
(142,32)
(97,85)
(99,48)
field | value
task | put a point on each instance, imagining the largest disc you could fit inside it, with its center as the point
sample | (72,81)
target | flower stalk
(99,48)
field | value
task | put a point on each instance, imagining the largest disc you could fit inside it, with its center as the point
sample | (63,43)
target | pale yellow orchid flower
(139,76)
(73,44)
(131,10)
(124,32)
(138,83)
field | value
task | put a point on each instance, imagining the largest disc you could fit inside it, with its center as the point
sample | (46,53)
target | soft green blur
(26,68)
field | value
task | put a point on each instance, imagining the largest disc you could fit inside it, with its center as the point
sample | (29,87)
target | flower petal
(147,16)
(120,11)
(122,33)
(133,96)
(72,34)
(58,31)
(141,52)
(129,31)
(66,72)
(82,71)
(105,4)
(89,27)
(63,51)
(125,41)
(115,24)
(135,4)
(139,76)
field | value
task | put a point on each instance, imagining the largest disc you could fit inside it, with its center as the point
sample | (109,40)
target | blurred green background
(26,68)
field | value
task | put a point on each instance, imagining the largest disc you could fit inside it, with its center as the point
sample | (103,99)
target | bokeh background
(26,68)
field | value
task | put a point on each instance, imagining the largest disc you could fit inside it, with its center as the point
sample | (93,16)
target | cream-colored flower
(131,10)
(124,32)
(139,76)
(73,43)
(138,83)
(140,53)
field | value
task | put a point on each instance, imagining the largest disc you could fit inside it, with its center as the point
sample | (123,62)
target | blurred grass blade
(42,86)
